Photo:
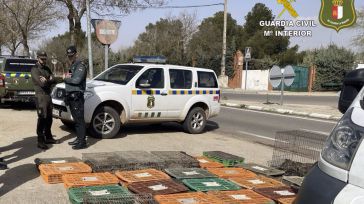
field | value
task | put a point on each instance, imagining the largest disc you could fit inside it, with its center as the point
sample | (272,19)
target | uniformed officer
(43,80)
(75,87)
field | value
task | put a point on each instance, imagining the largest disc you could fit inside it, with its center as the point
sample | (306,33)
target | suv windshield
(120,74)
(19,65)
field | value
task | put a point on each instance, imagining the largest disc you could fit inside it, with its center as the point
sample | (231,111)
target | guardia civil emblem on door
(337,14)
(150,101)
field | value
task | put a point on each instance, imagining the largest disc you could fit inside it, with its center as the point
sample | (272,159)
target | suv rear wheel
(105,123)
(195,121)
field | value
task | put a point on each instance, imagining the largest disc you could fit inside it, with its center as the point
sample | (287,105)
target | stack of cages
(137,160)
(177,159)
(103,161)
(296,151)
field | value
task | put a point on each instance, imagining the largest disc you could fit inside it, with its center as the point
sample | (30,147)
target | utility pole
(90,63)
(223,78)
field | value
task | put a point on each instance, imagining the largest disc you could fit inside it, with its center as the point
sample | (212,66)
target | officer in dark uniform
(43,81)
(75,88)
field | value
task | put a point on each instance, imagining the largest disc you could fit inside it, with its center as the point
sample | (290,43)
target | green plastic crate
(77,195)
(189,173)
(226,159)
(210,184)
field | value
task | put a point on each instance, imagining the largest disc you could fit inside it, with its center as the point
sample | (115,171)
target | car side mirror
(144,83)
(353,83)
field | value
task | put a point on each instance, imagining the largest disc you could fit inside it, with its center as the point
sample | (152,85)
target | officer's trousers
(76,102)
(44,109)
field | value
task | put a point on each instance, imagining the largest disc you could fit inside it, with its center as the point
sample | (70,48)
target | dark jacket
(40,87)
(78,80)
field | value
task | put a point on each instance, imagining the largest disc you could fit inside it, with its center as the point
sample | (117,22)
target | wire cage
(137,160)
(295,151)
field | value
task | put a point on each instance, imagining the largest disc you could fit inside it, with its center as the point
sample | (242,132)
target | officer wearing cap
(75,87)
(43,81)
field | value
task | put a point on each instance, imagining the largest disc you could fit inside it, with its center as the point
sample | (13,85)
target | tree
(77,8)
(165,37)
(331,64)
(253,37)
(56,47)
(206,44)
(28,18)
(358,40)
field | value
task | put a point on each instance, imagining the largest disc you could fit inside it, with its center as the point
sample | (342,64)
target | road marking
(255,135)
(314,131)
(273,139)
(277,114)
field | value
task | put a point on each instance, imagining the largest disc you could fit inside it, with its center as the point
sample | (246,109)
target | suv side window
(155,78)
(207,80)
(180,79)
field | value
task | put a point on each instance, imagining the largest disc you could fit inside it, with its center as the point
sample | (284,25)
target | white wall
(257,80)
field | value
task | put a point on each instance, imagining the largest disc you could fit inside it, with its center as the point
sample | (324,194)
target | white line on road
(255,135)
(273,139)
(313,131)
(277,114)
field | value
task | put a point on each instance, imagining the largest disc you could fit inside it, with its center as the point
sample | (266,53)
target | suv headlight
(87,94)
(342,143)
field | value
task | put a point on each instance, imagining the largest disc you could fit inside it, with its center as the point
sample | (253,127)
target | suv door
(149,96)
(180,90)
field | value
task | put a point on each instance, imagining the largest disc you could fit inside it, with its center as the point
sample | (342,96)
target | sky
(134,24)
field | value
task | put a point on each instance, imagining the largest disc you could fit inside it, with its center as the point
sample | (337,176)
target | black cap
(71,50)
(41,54)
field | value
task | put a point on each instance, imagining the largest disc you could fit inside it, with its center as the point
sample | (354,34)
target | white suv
(131,93)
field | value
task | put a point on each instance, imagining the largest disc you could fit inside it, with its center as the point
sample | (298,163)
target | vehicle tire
(195,121)
(68,124)
(105,123)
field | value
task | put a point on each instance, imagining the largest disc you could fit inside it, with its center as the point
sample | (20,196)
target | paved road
(261,126)
(288,99)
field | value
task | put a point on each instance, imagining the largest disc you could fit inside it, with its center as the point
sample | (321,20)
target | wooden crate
(89,179)
(52,173)
(244,196)
(128,177)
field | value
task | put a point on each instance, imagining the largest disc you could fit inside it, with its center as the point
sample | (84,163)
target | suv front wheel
(195,121)
(105,123)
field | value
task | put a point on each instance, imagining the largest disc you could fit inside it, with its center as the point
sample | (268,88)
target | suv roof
(170,66)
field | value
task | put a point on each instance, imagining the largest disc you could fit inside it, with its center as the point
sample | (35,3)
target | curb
(282,111)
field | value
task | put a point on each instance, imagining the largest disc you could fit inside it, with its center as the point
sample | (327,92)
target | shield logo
(150,101)
(337,14)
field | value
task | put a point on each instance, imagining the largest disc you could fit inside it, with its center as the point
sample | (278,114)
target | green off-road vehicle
(15,79)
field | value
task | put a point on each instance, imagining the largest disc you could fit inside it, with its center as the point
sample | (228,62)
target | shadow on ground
(15,177)
(24,148)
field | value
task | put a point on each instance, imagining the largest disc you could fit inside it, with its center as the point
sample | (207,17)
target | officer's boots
(51,140)
(74,142)
(42,145)
(80,145)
